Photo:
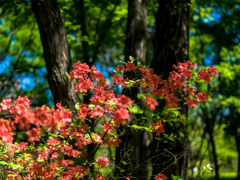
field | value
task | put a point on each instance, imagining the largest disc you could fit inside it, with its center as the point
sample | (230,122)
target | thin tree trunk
(134,142)
(237,139)
(210,132)
(56,50)
(81,19)
(171,45)
(198,155)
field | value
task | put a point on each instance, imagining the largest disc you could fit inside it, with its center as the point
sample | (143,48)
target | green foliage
(135,109)
(175,177)
(214,39)
(20,44)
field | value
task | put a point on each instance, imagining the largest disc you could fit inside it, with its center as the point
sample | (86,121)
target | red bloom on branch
(212,71)
(157,128)
(124,101)
(160,177)
(33,134)
(59,105)
(119,80)
(202,97)
(114,142)
(204,75)
(120,116)
(23,100)
(190,90)
(98,76)
(152,103)
(83,111)
(5,105)
(191,102)
(108,127)
(187,73)
(100,178)
(82,68)
(101,161)
(119,68)
(83,85)
(130,66)
(171,101)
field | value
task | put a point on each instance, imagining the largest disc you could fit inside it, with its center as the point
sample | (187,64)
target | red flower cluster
(206,75)
(169,88)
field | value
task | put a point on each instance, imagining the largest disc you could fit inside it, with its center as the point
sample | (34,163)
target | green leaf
(69,78)
(136,127)
(92,106)
(14,175)
(57,175)
(146,67)
(57,144)
(125,163)
(158,138)
(101,101)
(40,160)
(3,162)
(165,135)
(77,106)
(112,105)
(141,96)
(15,166)
(131,59)
(170,138)
(135,109)
(175,177)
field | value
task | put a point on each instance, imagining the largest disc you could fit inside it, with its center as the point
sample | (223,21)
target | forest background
(96,33)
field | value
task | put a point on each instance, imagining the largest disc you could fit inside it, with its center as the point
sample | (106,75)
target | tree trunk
(134,142)
(237,139)
(81,19)
(56,50)
(209,128)
(171,45)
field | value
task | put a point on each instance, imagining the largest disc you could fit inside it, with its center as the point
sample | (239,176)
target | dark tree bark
(134,142)
(171,45)
(56,50)
(135,43)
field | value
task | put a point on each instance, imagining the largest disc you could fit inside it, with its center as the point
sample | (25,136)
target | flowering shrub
(63,154)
